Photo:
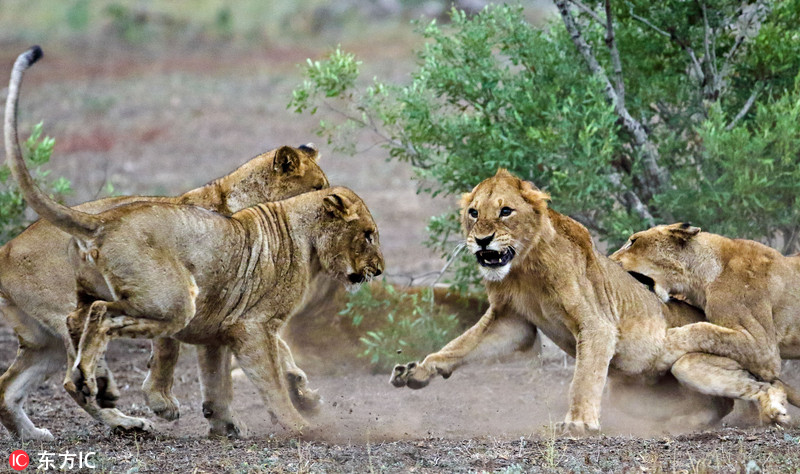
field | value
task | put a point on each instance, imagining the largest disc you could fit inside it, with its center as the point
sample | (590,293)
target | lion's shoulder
(572,231)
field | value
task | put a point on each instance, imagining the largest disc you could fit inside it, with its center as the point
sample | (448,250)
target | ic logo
(19,460)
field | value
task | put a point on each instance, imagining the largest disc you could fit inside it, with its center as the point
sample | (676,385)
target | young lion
(749,292)
(37,293)
(153,269)
(541,270)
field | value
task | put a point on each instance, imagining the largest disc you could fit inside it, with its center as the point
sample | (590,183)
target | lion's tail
(69,220)
(792,394)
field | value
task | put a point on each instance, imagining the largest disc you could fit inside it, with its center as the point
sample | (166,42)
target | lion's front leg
(496,333)
(258,353)
(595,346)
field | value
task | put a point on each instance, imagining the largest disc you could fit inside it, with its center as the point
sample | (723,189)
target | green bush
(37,151)
(413,326)
(680,111)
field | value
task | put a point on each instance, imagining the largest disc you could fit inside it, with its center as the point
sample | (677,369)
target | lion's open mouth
(356,278)
(493,258)
(644,279)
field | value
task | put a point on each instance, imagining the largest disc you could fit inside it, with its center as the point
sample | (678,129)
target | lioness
(152,269)
(37,289)
(540,269)
(749,291)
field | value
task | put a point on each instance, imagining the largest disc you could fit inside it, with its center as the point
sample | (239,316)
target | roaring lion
(749,291)
(37,290)
(540,269)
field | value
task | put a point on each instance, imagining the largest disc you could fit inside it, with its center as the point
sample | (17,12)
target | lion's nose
(483,242)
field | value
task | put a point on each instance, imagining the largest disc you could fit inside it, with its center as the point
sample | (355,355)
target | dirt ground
(156,122)
(496,416)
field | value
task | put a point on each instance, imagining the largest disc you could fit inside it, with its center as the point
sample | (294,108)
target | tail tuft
(32,55)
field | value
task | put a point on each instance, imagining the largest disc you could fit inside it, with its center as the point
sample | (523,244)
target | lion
(541,270)
(156,269)
(37,293)
(748,290)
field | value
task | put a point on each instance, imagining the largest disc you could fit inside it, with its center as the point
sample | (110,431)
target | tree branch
(631,200)
(614,53)
(698,69)
(746,107)
(746,19)
(713,84)
(655,176)
(587,10)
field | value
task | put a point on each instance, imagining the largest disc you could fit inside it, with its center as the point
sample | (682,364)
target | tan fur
(557,281)
(215,281)
(749,292)
(37,286)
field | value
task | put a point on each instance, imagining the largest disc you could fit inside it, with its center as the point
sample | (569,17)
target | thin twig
(746,107)
(698,69)
(646,21)
(587,10)
(453,257)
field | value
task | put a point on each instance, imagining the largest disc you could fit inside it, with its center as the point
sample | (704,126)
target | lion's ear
(503,173)
(340,206)
(286,160)
(683,231)
(534,196)
(311,150)
(466,198)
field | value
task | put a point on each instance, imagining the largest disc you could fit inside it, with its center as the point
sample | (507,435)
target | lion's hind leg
(720,376)
(215,379)
(157,387)
(303,398)
(39,356)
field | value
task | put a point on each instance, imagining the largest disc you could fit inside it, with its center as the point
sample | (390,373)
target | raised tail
(69,220)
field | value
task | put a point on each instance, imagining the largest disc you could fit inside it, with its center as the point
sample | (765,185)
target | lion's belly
(548,320)
(640,341)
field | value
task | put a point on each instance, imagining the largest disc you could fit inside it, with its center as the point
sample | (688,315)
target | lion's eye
(631,242)
(506,211)
(473,213)
(368,236)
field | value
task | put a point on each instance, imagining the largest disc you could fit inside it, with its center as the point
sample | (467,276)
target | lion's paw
(409,375)
(576,429)
(164,405)
(303,398)
(121,423)
(36,434)
(226,429)
(772,405)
